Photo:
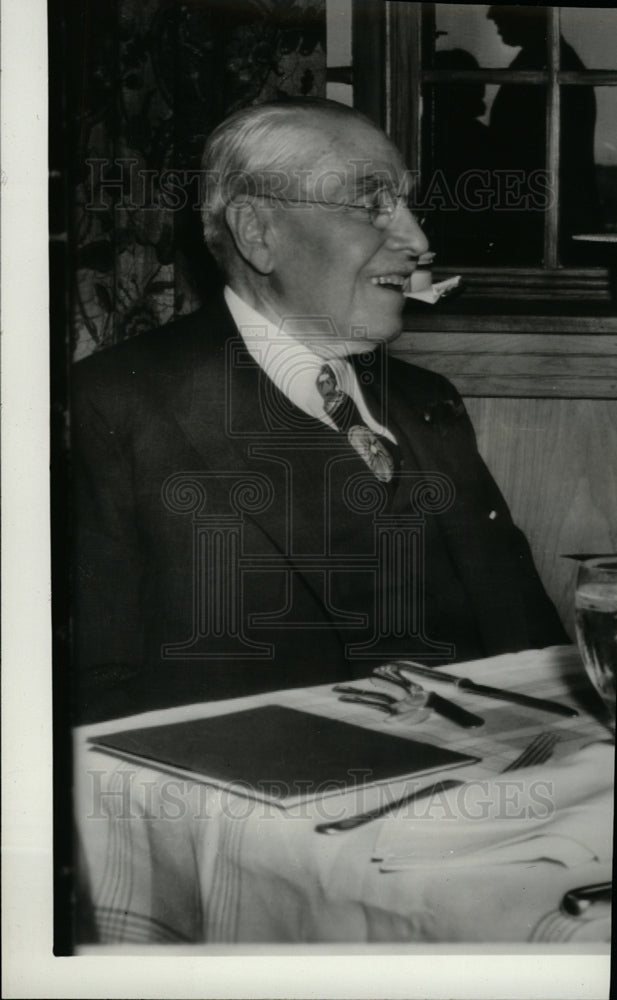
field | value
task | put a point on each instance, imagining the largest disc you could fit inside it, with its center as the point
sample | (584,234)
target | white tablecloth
(168,859)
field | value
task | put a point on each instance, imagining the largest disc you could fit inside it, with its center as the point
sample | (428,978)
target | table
(172,860)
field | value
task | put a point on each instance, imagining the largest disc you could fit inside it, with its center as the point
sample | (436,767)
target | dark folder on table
(280,754)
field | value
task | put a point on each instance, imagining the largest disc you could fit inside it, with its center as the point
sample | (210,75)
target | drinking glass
(596,625)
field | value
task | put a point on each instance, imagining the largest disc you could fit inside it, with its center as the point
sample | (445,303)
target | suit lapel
(237,421)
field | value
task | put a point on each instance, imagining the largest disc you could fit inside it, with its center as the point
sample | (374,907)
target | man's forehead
(356,177)
(358,158)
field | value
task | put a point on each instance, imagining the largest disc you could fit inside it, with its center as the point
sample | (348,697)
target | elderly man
(263,498)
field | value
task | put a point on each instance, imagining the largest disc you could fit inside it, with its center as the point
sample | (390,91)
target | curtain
(146,81)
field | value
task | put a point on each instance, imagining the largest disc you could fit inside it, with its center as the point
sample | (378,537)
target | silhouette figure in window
(519,130)
(462,229)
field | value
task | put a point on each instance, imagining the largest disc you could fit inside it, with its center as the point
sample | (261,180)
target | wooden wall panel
(556,463)
(544,406)
(575,365)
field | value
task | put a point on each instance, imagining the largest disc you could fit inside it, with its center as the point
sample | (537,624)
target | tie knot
(328,389)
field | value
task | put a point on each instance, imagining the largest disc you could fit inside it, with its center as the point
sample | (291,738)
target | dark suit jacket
(227,543)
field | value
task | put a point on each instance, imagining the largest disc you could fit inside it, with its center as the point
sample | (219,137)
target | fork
(538,752)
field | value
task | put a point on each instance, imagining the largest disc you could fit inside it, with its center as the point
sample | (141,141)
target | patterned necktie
(343,411)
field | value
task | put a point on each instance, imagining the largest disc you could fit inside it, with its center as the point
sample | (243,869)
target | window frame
(389,40)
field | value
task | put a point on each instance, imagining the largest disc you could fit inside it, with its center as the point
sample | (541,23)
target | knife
(352,822)
(450,710)
(466,684)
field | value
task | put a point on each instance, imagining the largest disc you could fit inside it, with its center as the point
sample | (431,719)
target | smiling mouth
(396,282)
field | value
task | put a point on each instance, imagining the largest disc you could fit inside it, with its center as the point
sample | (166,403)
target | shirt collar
(292,366)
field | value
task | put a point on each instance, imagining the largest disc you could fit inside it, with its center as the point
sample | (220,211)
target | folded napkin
(560,812)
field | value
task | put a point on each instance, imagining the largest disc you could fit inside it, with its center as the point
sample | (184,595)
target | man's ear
(250,231)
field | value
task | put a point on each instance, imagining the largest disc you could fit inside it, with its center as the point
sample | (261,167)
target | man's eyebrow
(370,183)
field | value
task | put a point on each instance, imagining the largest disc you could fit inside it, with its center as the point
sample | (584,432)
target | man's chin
(368,342)
(392,334)
(387,335)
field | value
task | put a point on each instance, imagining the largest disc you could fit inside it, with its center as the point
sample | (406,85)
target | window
(508,118)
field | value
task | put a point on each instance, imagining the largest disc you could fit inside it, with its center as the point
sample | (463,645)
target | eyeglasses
(380,212)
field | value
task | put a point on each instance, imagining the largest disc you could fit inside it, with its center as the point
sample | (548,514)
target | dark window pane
(588,173)
(485,189)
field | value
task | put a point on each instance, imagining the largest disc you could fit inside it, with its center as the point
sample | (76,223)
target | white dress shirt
(294,367)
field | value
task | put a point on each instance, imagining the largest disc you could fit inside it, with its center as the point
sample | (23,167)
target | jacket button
(493,515)
(427,416)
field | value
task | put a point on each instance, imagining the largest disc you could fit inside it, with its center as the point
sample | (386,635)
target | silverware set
(485,690)
(417,698)
(414,701)
(393,673)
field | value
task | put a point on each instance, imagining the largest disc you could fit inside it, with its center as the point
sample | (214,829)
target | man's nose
(404,232)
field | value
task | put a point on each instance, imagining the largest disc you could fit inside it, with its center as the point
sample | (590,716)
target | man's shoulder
(167,350)
(422,384)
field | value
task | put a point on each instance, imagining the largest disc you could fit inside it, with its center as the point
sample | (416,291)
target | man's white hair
(264,148)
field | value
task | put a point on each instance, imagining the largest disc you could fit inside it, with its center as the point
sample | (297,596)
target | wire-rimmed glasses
(380,210)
